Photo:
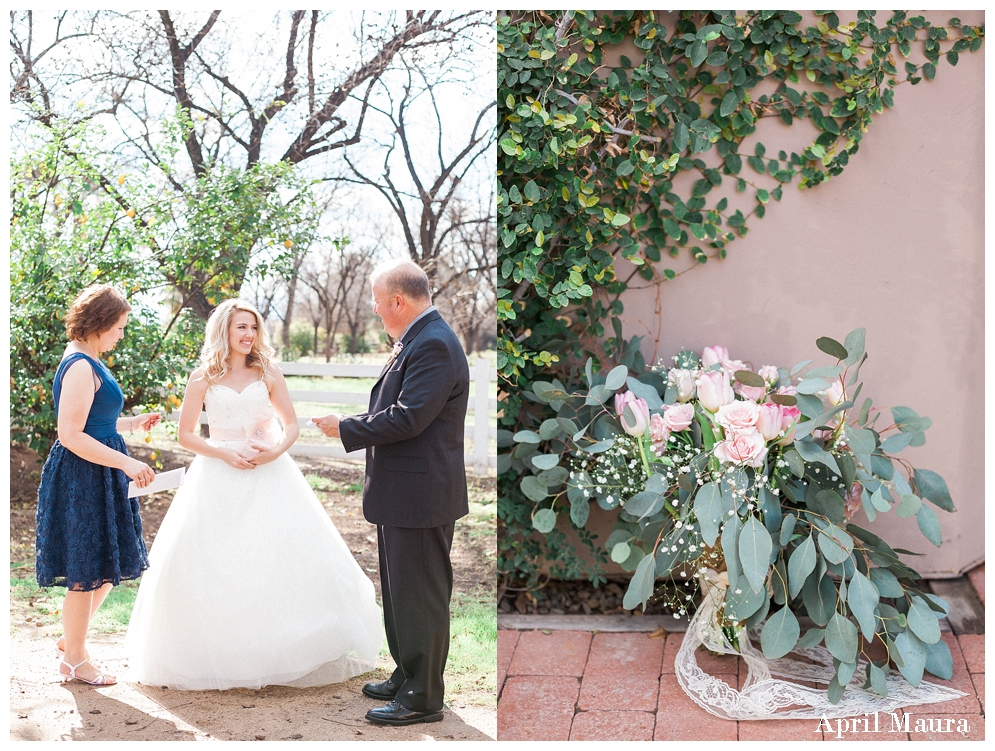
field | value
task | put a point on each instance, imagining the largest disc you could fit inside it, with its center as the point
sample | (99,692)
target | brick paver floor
(580,685)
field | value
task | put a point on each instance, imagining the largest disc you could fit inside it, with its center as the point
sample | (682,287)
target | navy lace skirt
(88,532)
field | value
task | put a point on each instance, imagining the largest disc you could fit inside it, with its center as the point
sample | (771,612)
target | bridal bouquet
(744,483)
(262,432)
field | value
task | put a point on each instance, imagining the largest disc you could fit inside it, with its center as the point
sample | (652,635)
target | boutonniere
(394,353)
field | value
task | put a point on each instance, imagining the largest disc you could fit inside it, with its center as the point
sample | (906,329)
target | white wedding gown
(249,583)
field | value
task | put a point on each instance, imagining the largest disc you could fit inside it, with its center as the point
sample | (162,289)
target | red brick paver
(782,730)
(680,719)
(537,708)
(973,648)
(947,727)
(506,643)
(623,672)
(617,726)
(550,653)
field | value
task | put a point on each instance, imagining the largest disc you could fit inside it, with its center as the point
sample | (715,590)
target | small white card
(164,481)
(310,423)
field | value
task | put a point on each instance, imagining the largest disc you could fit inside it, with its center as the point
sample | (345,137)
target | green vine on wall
(599,161)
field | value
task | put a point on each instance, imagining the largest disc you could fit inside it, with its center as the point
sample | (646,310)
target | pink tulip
(714,390)
(742,448)
(678,417)
(640,411)
(752,393)
(712,355)
(769,421)
(683,381)
(789,421)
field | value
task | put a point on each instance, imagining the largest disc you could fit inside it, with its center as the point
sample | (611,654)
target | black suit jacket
(413,432)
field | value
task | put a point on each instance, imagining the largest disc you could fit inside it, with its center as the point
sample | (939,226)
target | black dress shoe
(395,714)
(385,691)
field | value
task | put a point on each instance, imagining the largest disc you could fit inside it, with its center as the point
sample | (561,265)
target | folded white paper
(164,481)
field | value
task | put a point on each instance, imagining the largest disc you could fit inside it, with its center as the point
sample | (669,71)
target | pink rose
(731,366)
(852,502)
(659,433)
(738,416)
(678,417)
(639,409)
(769,374)
(712,355)
(789,421)
(787,389)
(742,448)
(769,421)
(714,390)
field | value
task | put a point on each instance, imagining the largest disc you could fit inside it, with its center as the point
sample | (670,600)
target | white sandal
(100,680)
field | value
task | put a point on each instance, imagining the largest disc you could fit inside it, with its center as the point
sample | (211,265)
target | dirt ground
(42,708)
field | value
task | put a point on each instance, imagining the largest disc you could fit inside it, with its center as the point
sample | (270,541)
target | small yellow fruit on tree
(131,212)
(120,179)
(288,243)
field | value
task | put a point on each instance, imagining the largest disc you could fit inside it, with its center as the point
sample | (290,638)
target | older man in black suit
(415,487)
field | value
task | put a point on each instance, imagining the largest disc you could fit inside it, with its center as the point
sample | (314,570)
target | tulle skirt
(249,585)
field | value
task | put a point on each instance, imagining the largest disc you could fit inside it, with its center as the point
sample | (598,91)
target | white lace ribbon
(763,697)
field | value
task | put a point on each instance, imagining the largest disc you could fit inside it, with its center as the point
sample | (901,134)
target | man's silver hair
(404,278)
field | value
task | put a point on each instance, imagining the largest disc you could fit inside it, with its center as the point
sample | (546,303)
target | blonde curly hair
(216,350)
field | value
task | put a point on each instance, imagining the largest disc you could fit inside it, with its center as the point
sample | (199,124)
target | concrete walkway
(557,683)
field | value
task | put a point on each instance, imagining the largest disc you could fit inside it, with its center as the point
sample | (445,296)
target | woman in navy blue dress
(89,533)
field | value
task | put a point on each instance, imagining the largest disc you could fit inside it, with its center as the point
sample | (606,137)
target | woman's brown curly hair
(95,310)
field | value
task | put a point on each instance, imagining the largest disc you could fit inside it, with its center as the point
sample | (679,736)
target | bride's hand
(235,459)
(266,454)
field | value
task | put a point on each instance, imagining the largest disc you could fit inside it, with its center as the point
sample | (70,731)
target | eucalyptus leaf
(544,520)
(913,653)
(754,552)
(749,378)
(933,488)
(533,488)
(834,692)
(860,440)
(835,544)
(812,637)
(580,509)
(787,529)
(527,436)
(810,452)
(641,585)
(780,634)
(819,596)
(895,443)
(620,552)
(841,638)
(646,392)
(831,347)
(800,565)
(939,661)
(812,385)
(877,677)
(708,510)
(886,583)
(909,506)
(616,378)
(644,504)
(922,621)
(742,601)
(550,429)
(545,461)
(798,366)
(862,597)
(845,671)
(929,525)
(854,345)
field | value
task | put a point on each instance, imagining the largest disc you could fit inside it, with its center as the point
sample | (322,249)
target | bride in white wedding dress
(249,583)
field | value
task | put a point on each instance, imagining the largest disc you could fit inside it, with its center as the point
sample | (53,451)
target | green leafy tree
(72,226)
(646,160)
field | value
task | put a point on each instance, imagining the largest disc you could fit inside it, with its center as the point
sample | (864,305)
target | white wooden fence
(481,405)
